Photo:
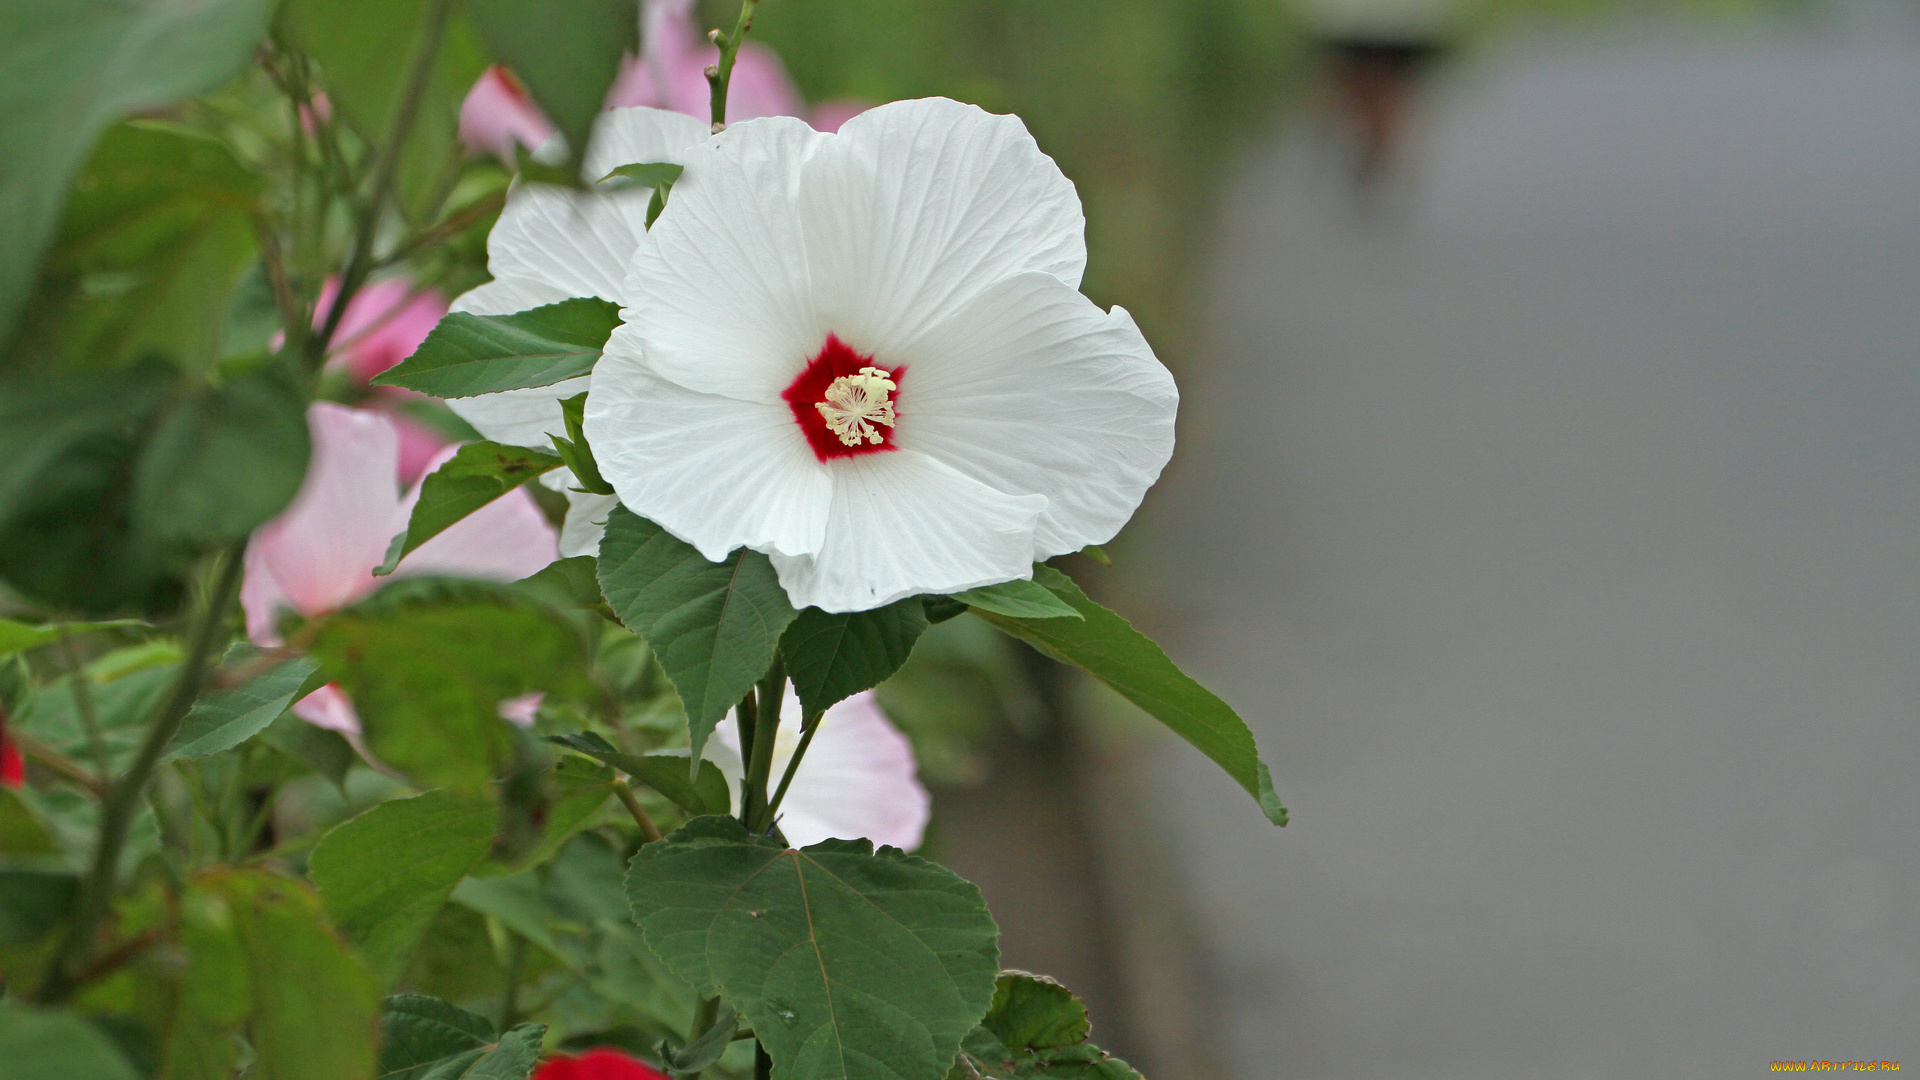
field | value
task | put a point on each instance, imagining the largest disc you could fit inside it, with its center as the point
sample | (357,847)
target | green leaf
(69,68)
(664,771)
(514,1057)
(574,449)
(19,637)
(1036,1030)
(567,583)
(419,1032)
(484,354)
(476,475)
(566,802)
(40,1045)
(1111,650)
(67,537)
(427,663)
(714,627)
(567,52)
(21,830)
(223,461)
(323,751)
(315,1005)
(31,903)
(659,174)
(384,875)
(851,965)
(151,254)
(515,902)
(1018,599)
(425,1038)
(225,718)
(121,709)
(832,656)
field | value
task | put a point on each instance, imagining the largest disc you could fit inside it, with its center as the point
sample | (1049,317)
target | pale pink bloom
(671,72)
(521,710)
(499,115)
(858,779)
(320,553)
(383,324)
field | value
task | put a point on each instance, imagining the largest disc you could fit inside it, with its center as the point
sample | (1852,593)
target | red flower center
(844,402)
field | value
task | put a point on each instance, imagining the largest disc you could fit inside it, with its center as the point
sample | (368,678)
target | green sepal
(574,449)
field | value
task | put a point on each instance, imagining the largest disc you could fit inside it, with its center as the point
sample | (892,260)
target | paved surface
(1558,522)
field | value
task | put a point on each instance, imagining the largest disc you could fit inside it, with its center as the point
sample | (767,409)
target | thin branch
(56,762)
(627,799)
(809,723)
(720,75)
(454,224)
(385,170)
(126,795)
(82,692)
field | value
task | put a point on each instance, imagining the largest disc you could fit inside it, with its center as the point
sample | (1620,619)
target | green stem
(124,798)
(766,725)
(720,75)
(809,723)
(83,704)
(386,168)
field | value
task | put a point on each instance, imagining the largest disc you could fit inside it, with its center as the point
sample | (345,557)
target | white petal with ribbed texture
(521,417)
(717,472)
(916,206)
(721,290)
(1033,390)
(858,780)
(586,522)
(902,523)
(640,136)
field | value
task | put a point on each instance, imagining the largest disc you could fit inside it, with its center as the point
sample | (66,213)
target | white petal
(319,553)
(576,243)
(504,296)
(521,417)
(640,136)
(586,522)
(916,206)
(720,293)
(717,472)
(858,779)
(903,523)
(1033,390)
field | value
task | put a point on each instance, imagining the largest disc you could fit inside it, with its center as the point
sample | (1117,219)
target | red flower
(601,1063)
(13,768)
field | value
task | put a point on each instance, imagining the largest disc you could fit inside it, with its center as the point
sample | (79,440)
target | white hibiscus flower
(858,779)
(864,354)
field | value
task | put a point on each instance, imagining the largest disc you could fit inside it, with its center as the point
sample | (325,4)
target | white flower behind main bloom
(858,780)
(864,354)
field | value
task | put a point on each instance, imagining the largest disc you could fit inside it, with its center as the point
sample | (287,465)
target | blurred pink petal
(829,115)
(419,444)
(330,708)
(859,778)
(383,324)
(319,553)
(671,71)
(499,115)
(521,710)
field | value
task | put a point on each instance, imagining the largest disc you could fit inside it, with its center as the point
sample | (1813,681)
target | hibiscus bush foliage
(391,691)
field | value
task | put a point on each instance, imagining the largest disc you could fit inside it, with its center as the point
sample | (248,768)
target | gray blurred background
(1552,509)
